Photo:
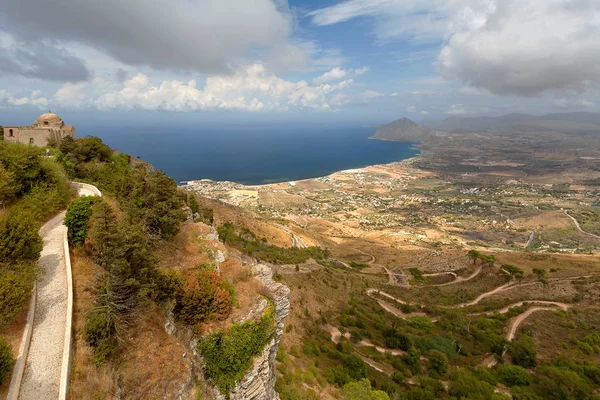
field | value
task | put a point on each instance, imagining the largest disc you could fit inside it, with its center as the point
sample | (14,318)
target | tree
(514,375)
(523,351)
(77,219)
(361,390)
(474,255)
(438,361)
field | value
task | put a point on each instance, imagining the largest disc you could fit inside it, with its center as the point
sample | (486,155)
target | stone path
(41,378)
(42,368)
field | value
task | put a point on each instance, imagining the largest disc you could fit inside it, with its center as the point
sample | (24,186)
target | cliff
(402,129)
(259,382)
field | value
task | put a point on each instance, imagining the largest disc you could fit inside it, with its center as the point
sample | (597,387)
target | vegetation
(228,354)
(361,390)
(6,361)
(77,219)
(247,242)
(202,296)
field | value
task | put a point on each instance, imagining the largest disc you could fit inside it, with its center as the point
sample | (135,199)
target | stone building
(47,126)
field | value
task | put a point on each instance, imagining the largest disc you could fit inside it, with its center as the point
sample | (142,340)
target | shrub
(100,333)
(15,289)
(77,219)
(418,322)
(6,360)
(361,390)
(19,239)
(203,296)
(227,354)
(523,351)
(513,375)
(465,385)
(438,361)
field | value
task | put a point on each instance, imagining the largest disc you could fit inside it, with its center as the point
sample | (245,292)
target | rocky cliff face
(259,382)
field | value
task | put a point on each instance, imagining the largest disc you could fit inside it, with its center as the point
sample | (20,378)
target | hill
(402,129)
(575,123)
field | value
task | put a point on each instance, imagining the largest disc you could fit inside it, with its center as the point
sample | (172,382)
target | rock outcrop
(259,382)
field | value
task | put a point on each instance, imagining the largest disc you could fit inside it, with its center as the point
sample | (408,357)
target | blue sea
(254,154)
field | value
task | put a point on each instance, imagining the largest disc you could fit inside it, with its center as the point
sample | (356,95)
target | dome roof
(49,119)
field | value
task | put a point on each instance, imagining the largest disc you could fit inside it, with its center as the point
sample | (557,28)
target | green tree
(514,375)
(438,361)
(77,219)
(474,255)
(361,390)
(523,351)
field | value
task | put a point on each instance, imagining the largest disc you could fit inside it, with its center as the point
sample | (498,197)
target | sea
(253,154)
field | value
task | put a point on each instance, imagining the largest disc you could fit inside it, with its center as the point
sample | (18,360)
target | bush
(100,333)
(77,219)
(203,296)
(15,289)
(6,361)
(464,385)
(438,361)
(523,352)
(513,375)
(228,354)
(19,239)
(361,390)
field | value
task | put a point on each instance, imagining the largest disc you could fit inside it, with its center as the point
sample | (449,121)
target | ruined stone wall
(37,136)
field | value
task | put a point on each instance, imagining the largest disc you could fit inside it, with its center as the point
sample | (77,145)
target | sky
(364,61)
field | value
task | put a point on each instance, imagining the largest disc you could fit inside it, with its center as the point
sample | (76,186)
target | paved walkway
(41,378)
(42,369)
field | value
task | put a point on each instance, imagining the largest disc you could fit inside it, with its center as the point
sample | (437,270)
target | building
(48,126)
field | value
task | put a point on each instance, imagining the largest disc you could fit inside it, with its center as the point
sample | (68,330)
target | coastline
(415,146)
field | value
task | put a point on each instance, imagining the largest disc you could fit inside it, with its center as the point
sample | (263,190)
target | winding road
(44,360)
(579,227)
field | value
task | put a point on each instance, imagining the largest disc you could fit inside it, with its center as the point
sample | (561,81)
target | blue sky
(363,61)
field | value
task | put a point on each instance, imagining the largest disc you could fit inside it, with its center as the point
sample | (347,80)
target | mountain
(578,122)
(402,129)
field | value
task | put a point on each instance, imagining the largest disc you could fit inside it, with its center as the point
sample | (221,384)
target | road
(579,227)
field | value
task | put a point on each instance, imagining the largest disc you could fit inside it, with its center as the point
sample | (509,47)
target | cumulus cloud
(337,74)
(202,35)
(35,99)
(508,47)
(43,60)
(251,88)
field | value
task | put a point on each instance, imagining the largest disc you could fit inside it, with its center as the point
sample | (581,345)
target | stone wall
(37,136)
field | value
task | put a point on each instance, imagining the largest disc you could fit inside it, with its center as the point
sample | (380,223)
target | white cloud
(251,88)
(411,109)
(395,94)
(337,74)
(472,91)
(574,103)
(518,47)
(35,99)
(371,94)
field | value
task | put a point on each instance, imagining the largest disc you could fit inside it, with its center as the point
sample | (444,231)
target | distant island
(405,129)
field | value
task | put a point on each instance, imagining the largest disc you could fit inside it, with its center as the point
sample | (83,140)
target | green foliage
(513,270)
(6,361)
(418,322)
(513,375)
(246,241)
(358,265)
(77,219)
(23,165)
(413,360)
(523,351)
(19,239)
(100,332)
(396,340)
(561,384)
(361,390)
(228,354)
(464,385)
(15,289)
(203,295)
(438,361)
